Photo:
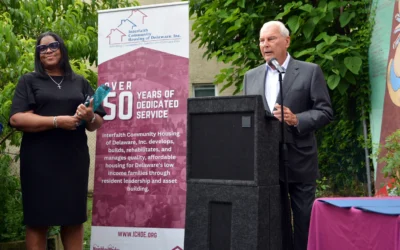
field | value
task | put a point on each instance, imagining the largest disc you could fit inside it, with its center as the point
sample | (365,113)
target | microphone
(274,63)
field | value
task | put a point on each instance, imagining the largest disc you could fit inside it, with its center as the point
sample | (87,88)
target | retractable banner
(139,195)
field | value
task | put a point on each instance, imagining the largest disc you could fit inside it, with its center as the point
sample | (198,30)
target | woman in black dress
(48,108)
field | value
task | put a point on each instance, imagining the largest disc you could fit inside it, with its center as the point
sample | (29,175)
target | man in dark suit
(306,106)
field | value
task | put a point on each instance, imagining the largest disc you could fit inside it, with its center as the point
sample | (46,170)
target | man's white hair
(282,28)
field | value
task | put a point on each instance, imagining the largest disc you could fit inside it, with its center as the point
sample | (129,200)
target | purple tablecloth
(335,227)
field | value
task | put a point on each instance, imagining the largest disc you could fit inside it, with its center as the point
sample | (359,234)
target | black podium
(233,193)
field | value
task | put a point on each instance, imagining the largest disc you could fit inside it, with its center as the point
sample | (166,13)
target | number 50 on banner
(124,107)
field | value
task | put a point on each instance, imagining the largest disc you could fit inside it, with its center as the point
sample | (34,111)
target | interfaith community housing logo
(132,29)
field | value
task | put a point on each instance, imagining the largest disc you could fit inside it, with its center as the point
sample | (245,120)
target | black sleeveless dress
(54,163)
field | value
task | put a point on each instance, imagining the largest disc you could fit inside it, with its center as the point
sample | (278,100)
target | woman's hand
(85,113)
(67,122)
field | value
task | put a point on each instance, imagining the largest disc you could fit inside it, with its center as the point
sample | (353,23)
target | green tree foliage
(334,34)
(229,31)
(20,24)
(11,227)
(390,152)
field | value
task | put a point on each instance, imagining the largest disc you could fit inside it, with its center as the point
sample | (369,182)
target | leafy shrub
(11,227)
(391,156)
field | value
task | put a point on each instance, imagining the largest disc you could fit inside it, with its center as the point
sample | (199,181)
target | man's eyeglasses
(53,47)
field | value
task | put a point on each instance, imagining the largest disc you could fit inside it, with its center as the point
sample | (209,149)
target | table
(355,223)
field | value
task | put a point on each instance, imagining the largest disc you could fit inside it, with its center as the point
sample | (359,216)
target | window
(200,90)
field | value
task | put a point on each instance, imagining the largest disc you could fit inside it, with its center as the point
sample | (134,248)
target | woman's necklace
(58,83)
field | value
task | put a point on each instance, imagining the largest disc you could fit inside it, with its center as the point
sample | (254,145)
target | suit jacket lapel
(261,74)
(291,73)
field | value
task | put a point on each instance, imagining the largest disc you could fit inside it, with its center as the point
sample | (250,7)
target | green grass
(88,224)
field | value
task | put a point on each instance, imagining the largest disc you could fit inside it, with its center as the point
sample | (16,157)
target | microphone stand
(283,164)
